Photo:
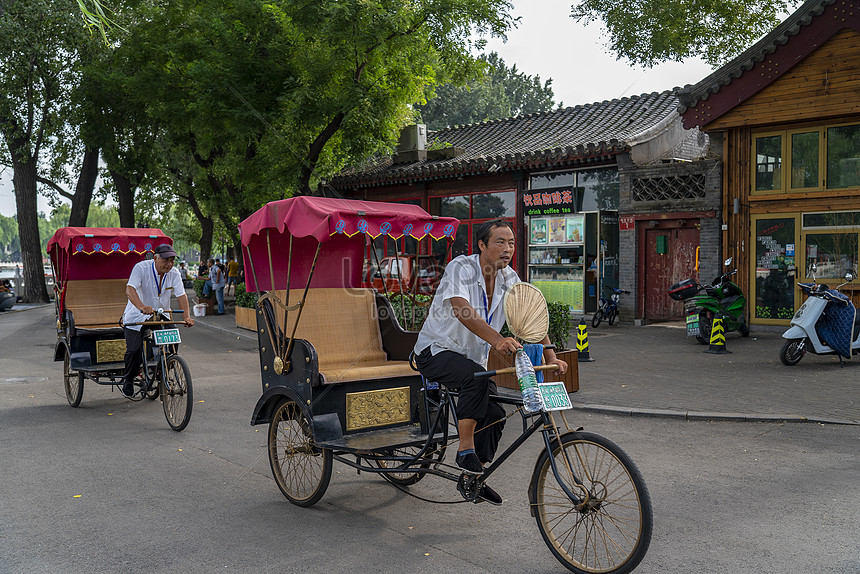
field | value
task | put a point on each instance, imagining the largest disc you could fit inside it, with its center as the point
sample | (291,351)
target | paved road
(108,487)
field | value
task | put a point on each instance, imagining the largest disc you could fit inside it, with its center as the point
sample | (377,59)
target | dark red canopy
(342,226)
(100,252)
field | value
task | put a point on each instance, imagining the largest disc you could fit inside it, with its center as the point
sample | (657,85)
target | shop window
(834,254)
(547,180)
(831,243)
(493,205)
(843,157)
(805,157)
(774,269)
(599,189)
(454,206)
(768,163)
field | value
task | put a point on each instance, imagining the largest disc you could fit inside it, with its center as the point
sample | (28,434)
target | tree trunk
(24,181)
(315,151)
(125,197)
(207,227)
(84,189)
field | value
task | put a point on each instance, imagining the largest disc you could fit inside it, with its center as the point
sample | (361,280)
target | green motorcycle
(723,298)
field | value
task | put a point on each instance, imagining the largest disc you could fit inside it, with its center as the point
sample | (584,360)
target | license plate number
(167,337)
(692,325)
(554,396)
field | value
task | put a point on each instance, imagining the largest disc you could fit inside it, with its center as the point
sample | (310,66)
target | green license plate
(167,337)
(554,396)
(692,325)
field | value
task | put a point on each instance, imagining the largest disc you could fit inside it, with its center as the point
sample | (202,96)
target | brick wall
(703,175)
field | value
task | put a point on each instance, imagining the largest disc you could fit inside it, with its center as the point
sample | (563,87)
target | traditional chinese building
(786,114)
(562,178)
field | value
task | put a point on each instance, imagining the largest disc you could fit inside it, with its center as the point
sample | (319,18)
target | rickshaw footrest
(379,440)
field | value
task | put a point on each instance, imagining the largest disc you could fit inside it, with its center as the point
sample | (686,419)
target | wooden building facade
(787,112)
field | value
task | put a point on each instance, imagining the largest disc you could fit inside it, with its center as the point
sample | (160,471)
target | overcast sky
(548,43)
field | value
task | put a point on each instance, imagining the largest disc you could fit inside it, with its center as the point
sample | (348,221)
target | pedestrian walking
(218,281)
(232,274)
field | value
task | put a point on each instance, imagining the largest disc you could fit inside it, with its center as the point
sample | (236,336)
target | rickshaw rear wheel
(610,530)
(176,394)
(72,382)
(302,471)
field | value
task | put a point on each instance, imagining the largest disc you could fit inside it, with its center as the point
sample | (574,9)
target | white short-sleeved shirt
(442,331)
(153,290)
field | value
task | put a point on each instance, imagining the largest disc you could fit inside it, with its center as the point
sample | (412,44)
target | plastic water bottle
(528,382)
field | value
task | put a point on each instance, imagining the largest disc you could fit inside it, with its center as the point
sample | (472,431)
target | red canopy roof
(106,240)
(325,217)
(342,226)
(100,252)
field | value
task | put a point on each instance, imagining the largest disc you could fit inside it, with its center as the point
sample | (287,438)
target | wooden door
(662,270)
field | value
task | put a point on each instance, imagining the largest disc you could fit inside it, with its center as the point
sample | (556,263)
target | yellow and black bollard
(582,342)
(717,344)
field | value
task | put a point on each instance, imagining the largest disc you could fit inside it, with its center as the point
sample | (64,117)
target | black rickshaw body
(307,246)
(91,267)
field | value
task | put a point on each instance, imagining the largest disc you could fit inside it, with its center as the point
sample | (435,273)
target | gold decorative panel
(110,351)
(377,408)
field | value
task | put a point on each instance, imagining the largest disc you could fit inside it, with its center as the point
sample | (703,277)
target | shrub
(560,323)
(198,286)
(407,306)
(245,299)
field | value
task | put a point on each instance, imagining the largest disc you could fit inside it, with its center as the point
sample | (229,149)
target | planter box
(570,378)
(246,318)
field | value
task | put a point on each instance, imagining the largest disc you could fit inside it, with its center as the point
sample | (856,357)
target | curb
(712,416)
(237,332)
(20,309)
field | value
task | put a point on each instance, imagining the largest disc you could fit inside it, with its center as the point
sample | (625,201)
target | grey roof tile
(539,139)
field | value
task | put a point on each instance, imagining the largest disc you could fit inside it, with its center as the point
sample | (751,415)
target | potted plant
(245,308)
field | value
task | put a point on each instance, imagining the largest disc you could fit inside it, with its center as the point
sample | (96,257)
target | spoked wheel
(405,478)
(609,532)
(792,351)
(72,382)
(705,324)
(612,316)
(176,395)
(302,471)
(597,318)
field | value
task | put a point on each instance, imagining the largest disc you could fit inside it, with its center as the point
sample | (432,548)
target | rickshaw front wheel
(404,478)
(72,382)
(301,469)
(609,531)
(176,395)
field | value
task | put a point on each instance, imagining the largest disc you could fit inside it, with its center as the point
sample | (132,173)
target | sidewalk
(656,370)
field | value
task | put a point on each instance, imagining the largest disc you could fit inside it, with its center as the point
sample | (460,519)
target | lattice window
(669,188)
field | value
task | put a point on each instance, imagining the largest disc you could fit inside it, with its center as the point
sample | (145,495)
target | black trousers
(456,372)
(133,344)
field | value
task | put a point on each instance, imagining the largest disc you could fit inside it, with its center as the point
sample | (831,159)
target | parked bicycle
(608,309)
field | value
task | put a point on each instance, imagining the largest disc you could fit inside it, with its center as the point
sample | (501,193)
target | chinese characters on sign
(548,202)
(626,223)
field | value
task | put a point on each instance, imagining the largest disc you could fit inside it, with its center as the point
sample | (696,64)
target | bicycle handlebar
(512,370)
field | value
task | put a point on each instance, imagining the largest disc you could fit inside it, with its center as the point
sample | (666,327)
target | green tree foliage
(500,92)
(651,32)
(10,246)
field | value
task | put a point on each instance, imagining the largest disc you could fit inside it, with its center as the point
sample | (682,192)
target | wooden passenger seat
(343,327)
(96,303)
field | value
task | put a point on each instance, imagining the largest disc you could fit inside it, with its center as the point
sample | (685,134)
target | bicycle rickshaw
(91,268)
(338,385)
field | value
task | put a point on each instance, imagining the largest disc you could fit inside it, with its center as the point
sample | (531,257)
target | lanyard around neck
(487,315)
(158,283)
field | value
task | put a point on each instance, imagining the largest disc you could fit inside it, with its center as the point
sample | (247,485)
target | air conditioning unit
(413,138)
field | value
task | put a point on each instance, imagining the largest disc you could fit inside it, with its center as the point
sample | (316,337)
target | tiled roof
(560,137)
(792,26)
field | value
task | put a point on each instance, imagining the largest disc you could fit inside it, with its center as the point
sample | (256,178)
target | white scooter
(826,324)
